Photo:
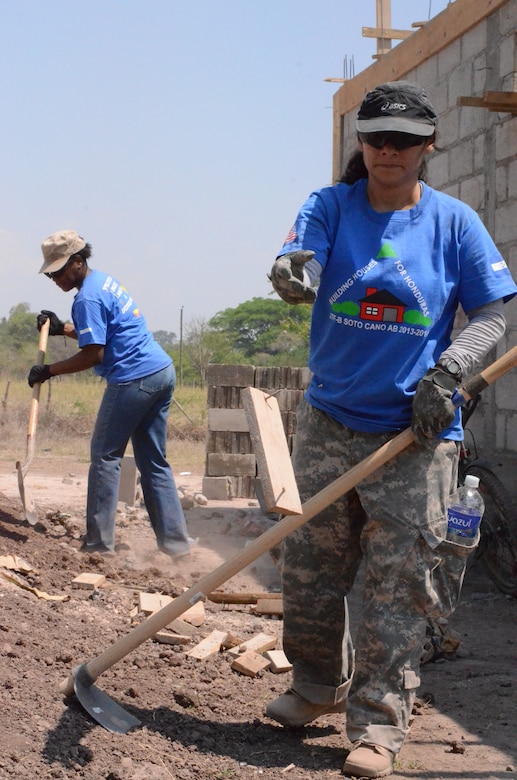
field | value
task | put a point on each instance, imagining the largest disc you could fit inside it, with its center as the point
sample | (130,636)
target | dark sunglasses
(57,274)
(399,141)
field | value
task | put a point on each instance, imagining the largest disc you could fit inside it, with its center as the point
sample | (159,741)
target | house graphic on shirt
(381,306)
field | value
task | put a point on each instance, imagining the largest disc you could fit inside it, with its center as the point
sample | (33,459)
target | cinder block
(230,376)
(128,480)
(220,464)
(217,488)
(227,420)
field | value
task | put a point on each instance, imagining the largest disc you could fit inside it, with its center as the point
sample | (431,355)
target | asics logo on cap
(389,106)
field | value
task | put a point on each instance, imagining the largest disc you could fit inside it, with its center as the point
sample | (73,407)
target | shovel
(81,681)
(22,468)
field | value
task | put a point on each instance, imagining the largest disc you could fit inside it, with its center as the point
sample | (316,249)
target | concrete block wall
(475,160)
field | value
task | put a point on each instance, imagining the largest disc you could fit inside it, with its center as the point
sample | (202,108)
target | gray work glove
(287,277)
(57,327)
(433,410)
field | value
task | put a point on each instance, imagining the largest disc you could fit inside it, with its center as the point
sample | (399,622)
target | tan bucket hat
(58,248)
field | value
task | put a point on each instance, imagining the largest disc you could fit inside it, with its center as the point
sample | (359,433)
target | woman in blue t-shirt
(385,261)
(115,342)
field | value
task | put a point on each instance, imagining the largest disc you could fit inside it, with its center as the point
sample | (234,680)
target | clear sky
(178,137)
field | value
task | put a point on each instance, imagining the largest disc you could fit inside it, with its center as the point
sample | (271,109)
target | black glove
(287,277)
(433,410)
(39,374)
(56,326)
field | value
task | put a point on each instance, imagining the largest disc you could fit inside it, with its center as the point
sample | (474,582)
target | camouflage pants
(394,523)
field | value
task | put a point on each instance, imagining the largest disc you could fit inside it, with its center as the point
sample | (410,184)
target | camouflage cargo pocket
(447,573)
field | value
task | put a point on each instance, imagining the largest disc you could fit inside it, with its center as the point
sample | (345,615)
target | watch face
(452,367)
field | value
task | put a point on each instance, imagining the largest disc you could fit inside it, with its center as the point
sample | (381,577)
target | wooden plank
(195,615)
(89,580)
(279,661)
(502,108)
(149,603)
(219,597)
(152,602)
(211,645)
(378,32)
(475,102)
(269,607)
(250,663)
(274,465)
(168,638)
(507,98)
(227,420)
(192,618)
(501,101)
(258,643)
(505,102)
(182,628)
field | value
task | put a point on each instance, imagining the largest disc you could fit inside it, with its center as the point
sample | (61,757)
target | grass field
(66,414)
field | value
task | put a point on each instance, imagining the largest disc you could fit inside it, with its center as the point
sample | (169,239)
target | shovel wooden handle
(33,413)
(275,534)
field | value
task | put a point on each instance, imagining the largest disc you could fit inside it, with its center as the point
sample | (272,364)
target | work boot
(97,548)
(368,761)
(291,709)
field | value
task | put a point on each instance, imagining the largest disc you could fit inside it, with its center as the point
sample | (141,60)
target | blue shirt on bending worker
(115,342)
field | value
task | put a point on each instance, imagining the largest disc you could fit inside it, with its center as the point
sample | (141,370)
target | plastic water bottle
(465,512)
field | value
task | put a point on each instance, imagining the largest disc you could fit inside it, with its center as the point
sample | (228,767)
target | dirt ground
(200,718)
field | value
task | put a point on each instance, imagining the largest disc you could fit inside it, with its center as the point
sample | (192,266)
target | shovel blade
(29,508)
(100,706)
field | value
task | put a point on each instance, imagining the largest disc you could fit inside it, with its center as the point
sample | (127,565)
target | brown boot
(368,761)
(291,709)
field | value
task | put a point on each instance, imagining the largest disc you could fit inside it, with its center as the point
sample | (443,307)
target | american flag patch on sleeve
(291,235)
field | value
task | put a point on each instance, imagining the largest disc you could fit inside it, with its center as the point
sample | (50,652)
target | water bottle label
(463,523)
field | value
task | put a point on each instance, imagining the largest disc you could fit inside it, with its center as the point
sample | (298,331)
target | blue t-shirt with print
(389,290)
(104,313)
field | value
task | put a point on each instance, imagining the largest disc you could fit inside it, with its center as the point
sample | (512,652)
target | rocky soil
(202,718)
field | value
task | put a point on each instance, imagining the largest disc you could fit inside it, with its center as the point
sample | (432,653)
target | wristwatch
(451,367)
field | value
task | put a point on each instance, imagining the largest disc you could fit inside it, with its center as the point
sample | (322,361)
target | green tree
(20,325)
(19,343)
(165,338)
(267,328)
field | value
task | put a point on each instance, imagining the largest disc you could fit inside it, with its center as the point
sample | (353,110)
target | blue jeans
(135,410)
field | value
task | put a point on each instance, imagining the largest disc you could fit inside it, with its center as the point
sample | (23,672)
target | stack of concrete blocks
(230,468)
